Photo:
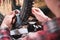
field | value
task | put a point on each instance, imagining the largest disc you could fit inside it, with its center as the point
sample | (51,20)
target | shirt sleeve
(5,34)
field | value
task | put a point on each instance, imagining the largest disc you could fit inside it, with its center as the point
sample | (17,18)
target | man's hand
(33,36)
(40,15)
(8,20)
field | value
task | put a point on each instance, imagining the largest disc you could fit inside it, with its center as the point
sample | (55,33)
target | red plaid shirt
(51,32)
(5,34)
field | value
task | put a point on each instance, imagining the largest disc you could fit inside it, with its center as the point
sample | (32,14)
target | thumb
(13,14)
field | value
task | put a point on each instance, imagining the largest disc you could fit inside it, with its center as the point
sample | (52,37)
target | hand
(32,36)
(40,15)
(8,20)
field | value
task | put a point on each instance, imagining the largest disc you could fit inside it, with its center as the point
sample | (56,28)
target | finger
(35,10)
(13,14)
(17,11)
(13,21)
(39,12)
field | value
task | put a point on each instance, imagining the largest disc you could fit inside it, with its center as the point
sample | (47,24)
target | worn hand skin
(9,20)
(40,15)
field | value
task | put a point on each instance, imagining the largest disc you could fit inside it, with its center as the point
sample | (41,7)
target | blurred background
(6,5)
